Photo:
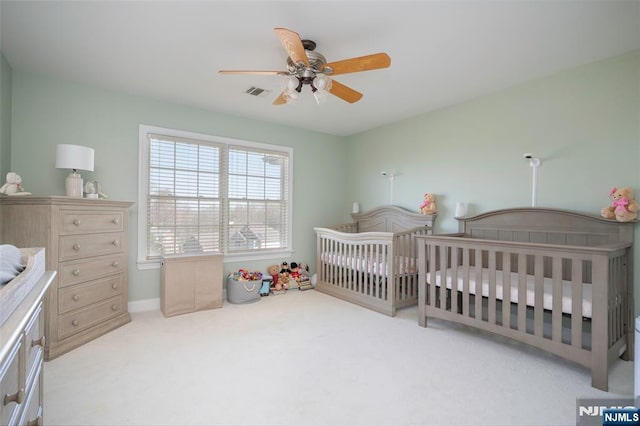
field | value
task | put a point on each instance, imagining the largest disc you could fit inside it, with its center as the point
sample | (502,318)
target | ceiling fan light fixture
(290,97)
(320,96)
(290,83)
(322,82)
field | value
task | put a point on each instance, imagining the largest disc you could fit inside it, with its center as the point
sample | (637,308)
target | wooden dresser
(86,242)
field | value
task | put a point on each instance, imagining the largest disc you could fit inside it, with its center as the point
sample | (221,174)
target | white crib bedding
(567,300)
(370,263)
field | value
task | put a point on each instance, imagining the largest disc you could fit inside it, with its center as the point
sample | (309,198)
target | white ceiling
(442,52)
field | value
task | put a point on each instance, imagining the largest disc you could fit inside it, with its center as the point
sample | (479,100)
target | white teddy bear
(13,186)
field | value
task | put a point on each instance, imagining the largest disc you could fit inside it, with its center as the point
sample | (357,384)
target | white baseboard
(144,305)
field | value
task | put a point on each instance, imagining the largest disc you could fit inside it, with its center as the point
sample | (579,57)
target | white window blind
(205,196)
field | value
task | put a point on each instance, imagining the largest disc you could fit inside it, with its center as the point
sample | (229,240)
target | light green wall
(5,118)
(583,123)
(47,112)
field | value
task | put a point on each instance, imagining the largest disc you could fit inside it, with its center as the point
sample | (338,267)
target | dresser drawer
(81,295)
(79,246)
(76,321)
(89,269)
(32,415)
(34,342)
(11,392)
(83,222)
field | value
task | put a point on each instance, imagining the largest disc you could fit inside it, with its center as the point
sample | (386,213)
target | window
(201,193)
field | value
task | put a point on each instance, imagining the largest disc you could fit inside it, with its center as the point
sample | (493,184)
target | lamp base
(74,185)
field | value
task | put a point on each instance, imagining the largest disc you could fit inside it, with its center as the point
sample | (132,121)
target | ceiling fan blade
(280,100)
(253,72)
(293,45)
(362,63)
(344,92)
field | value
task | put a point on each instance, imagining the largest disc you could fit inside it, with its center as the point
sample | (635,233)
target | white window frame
(143,183)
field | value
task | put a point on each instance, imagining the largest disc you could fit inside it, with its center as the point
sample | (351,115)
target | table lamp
(74,157)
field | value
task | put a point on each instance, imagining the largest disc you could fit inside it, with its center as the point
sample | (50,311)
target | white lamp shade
(74,157)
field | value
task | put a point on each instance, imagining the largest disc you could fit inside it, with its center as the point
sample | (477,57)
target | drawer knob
(115,243)
(39,342)
(115,221)
(76,272)
(76,297)
(76,247)
(114,286)
(35,422)
(17,397)
(75,322)
(76,222)
(115,264)
(114,307)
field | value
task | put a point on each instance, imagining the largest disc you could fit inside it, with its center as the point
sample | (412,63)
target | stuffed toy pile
(623,208)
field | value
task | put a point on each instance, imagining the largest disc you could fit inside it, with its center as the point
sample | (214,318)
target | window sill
(228,258)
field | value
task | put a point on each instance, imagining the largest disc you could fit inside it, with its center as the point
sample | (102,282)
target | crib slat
(522,293)
(492,287)
(356,273)
(443,277)
(478,284)
(332,265)
(556,314)
(421,264)
(506,289)
(433,249)
(576,308)
(615,298)
(372,271)
(465,281)
(454,279)
(397,278)
(538,310)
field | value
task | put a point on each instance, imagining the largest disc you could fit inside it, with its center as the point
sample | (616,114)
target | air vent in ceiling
(257,91)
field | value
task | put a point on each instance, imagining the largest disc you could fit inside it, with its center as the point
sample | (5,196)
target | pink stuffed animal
(428,206)
(623,208)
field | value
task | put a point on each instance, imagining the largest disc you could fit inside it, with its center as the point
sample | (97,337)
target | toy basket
(244,287)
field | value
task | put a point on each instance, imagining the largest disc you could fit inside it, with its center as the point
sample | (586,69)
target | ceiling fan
(305,66)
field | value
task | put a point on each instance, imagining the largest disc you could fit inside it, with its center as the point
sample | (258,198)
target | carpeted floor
(304,358)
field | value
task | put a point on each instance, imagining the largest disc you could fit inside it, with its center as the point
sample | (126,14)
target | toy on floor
(284,275)
(266,286)
(305,279)
(274,271)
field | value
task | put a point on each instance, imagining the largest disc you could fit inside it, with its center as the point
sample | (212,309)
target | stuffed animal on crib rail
(13,185)
(428,206)
(623,208)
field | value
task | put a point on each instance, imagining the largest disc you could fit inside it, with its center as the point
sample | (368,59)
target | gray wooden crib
(558,280)
(372,261)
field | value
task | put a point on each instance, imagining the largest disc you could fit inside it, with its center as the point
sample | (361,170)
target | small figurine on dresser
(92,190)
(13,185)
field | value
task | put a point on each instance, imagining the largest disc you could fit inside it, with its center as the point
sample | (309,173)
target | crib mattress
(371,263)
(567,300)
